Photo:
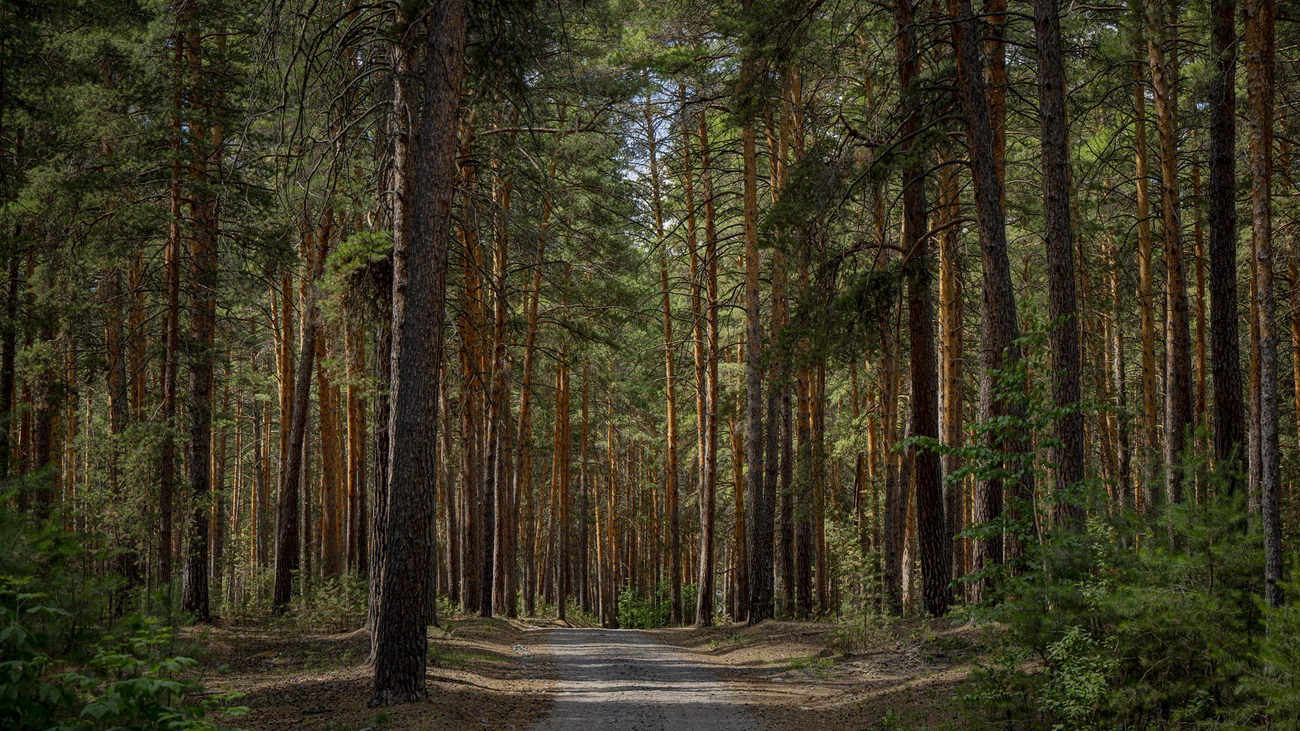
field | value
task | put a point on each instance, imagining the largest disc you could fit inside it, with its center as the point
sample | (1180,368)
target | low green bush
(640,612)
(1147,624)
(61,668)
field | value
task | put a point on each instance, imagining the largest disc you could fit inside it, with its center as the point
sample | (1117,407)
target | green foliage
(332,605)
(575,615)
(1149,623)
(131,679)
(1076,676)
(1275,679)
(639,612)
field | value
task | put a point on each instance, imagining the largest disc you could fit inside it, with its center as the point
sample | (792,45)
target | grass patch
(732,639)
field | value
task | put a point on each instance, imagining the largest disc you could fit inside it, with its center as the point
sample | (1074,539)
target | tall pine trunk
(1060,257)
(1225,355)
(419,299)
(1259,22)
(1178,364)
(203,302)
(759,541)
(999,328)
(936,551)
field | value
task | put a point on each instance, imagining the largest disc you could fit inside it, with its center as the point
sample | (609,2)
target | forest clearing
(732,364)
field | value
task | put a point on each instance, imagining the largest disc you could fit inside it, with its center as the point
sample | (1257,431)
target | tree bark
(936,549)
(1225,356)
(759,541)
(1259,22)
(1062,307)
(1178,363)
(358,546)
(524,441)
(287,536)
(171,351)
(702,416)
(408,545)
(952,363)
(999,327)
(670,378)
(1146,286)
(203,304)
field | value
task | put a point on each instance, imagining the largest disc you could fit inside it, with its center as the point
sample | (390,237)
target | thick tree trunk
(401,118)
(420,287)
(203,304)
(1060,258)
(1259,22)
(936,548)
(995,70)
(999,326)
(1225,356)
(1178,363)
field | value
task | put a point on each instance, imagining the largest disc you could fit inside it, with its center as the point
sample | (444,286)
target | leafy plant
(58,672)
(639,612)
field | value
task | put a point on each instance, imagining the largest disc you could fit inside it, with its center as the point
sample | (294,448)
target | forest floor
(498,674)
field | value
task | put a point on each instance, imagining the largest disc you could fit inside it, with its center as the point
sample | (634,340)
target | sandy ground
(494,674)
(483,673)
(801,675)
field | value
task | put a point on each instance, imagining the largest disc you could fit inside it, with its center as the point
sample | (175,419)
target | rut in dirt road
(623,679)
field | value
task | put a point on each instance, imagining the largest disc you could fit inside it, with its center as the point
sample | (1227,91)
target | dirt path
(623,679)
(512,675)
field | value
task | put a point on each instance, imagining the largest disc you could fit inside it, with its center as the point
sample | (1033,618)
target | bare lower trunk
(408,546)
(1060,258)
(1260,88)
(1000,330)
(936,549)
(1178,365)
(1225,357)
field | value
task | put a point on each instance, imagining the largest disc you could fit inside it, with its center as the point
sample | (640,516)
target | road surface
(623,679)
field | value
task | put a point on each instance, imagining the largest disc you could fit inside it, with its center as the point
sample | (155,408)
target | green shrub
(59,669)
(1126,621)
(332,605)
(639,612)
(1168,635)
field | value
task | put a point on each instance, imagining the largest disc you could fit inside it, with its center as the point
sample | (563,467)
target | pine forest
(603,364)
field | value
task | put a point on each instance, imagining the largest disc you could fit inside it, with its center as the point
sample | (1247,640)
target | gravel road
(623,679)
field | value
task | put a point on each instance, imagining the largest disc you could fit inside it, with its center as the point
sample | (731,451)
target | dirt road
(623,679)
